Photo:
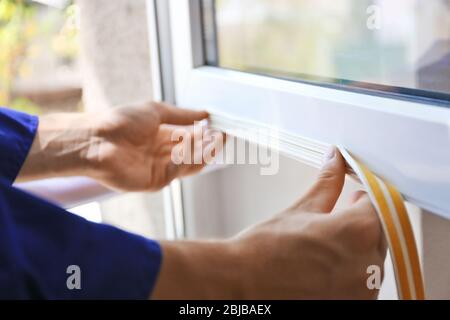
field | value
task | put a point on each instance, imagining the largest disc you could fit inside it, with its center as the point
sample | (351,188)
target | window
(402,46)
(378,88)
(397,125)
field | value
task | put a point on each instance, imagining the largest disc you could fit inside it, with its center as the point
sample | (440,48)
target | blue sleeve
(39,242)
(17,131)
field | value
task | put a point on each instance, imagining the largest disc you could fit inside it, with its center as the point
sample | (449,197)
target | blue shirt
(39,242)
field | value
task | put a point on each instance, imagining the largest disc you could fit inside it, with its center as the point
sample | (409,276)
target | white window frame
(405,141)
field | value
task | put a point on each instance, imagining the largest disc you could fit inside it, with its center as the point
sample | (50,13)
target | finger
(202,142)
(355,196)
(194,151)
(213,144)
(363,208)
(362,205)
(183,169)
(325,192)
(173,115)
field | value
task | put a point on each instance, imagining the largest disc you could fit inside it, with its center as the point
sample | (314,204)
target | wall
(436,255)
(116,71)
(116,64)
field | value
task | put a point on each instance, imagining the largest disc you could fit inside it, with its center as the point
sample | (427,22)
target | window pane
(385,45)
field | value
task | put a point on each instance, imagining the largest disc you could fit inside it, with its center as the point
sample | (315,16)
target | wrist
(199,270)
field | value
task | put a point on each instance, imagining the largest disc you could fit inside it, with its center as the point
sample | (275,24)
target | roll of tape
(391,210)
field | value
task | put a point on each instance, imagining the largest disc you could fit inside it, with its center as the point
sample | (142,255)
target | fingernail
(329,155)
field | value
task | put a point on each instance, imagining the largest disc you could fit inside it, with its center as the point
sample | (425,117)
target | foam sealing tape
(391,210)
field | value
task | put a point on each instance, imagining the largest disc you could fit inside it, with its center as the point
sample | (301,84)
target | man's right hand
(306,252)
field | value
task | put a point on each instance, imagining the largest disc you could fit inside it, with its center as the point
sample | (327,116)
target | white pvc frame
(405,142)
(163,89)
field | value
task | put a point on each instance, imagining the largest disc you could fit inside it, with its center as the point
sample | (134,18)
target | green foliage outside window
(20,25)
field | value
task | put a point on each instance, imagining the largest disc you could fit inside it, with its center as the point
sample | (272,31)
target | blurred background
(68,56)
(39,56)
(365,43)
(40,64)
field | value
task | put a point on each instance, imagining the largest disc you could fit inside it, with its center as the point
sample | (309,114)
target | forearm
(64,145)
(199,270)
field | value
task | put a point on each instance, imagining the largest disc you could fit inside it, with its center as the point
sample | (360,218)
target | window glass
(401,46)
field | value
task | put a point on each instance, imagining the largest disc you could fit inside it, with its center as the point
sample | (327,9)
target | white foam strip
(353,164)
(401,236)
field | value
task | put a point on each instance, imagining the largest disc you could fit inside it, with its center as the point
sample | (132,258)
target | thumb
(325,192)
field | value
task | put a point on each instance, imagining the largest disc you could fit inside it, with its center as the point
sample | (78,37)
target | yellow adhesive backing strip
(391,210)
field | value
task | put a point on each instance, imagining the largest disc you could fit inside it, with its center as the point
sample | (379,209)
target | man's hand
(136,145)
(127,148)
(306,252)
